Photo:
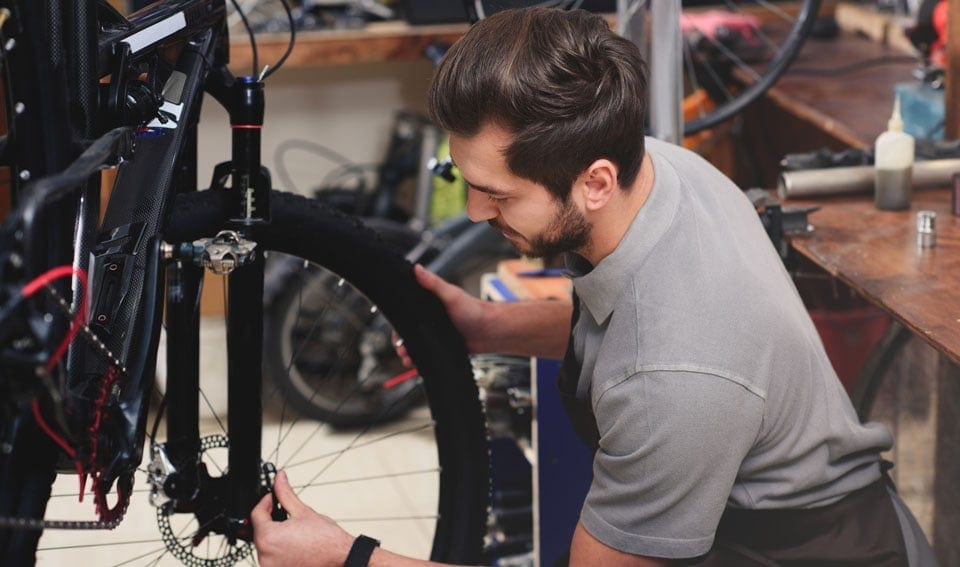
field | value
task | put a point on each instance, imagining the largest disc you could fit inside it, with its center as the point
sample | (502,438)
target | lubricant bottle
(893,165)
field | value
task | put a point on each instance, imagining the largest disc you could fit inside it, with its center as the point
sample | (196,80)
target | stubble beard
(568,231)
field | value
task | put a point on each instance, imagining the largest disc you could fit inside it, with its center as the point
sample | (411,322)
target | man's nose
(479,207)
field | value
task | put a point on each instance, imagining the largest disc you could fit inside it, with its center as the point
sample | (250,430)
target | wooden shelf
(376,42)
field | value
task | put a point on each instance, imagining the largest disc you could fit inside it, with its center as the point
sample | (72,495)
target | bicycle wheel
(910,387)
(423,494)
(734,51)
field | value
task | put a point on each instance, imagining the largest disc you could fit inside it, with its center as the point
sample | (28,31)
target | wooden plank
(378,41)
(852,106)
(883,28)
(875,252)
(951,95)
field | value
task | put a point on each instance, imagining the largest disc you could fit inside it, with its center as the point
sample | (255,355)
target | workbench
(875,254)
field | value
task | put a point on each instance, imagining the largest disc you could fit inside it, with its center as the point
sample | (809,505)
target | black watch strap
(360,551)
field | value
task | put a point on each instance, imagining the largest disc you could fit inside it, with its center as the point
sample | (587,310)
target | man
(722,435)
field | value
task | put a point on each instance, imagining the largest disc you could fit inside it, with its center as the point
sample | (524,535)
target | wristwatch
(360,551)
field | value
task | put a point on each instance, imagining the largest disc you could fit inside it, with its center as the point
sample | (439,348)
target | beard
(568,231)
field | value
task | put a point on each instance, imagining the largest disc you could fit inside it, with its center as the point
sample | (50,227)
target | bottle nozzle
(895,123)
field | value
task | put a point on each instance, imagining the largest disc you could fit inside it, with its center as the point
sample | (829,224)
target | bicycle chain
(110,518)
(88,333)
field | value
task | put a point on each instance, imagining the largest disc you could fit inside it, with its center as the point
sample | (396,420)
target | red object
(78,318)
(399,378)
(938,50)
(848,336)
(708,23)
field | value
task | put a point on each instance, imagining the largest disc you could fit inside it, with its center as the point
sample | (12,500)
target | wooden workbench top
(875,252)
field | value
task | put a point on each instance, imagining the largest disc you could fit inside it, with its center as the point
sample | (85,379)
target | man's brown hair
(568,88)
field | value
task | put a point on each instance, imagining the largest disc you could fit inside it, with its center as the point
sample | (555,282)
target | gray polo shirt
(709,382)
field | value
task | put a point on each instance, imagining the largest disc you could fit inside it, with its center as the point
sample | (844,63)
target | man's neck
(614,220)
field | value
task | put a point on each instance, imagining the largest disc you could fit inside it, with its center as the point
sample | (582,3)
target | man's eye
(495,198)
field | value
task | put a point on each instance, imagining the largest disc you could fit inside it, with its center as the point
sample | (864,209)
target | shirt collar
(600,287)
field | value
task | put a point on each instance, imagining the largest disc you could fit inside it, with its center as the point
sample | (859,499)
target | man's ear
(597,184)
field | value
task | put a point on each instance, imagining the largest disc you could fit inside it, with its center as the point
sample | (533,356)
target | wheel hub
(203,515)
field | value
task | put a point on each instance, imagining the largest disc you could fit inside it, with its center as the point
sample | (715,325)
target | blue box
(922,110)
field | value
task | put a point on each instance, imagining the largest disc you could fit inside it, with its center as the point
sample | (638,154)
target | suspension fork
(251,187)
(183,375)
(244,363)
(234,252)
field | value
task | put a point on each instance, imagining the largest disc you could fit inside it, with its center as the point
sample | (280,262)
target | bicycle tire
(910,387)
(875,368)
(347,247)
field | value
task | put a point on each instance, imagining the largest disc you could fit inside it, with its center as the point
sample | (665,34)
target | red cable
(35,406)
(49,276)
(38,417)
(78,318)
(396,380)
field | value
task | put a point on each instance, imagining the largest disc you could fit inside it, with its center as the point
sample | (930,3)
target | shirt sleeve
(671,443)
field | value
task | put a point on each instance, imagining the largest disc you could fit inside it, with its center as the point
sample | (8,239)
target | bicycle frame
(160,61)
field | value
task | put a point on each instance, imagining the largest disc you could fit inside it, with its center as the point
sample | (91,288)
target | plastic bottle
(893,159)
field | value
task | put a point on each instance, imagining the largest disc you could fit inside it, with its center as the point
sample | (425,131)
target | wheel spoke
(98,544)
(354,445)
(776,10)
(213,411)
(161,550)
(734,7)
(387,518)
(732,56)
(302,487)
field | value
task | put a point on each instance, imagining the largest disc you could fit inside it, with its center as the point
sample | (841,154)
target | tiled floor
(384,485)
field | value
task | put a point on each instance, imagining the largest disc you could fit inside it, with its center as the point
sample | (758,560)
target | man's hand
(465,311)
(526,328)
(304,538)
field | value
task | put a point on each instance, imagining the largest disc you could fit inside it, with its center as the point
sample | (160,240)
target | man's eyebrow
(483,189)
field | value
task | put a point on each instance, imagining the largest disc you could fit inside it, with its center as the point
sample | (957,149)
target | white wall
(348,108)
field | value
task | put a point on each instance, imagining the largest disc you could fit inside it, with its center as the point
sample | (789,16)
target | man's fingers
(425,277)
(435,284)
(260,515)
(401,350)
(286,496)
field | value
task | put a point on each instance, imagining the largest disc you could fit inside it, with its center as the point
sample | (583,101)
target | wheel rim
(388,457)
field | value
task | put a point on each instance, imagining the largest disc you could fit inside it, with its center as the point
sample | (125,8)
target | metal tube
(428,151)
(859,179)
(666,72)
(250,186)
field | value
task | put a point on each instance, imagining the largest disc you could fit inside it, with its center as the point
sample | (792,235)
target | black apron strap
(579,412)
(860,529)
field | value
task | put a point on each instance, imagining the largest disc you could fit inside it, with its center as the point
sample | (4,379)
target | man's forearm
(384,558)
(528,328)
